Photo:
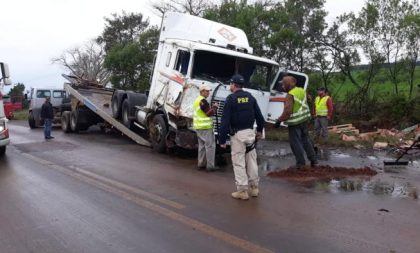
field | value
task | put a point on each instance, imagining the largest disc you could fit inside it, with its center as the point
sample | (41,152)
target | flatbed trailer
(98,101)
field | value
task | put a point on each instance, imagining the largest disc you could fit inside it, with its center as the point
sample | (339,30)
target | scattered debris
(358,146)
(348,138)
(380,145)
(350,134)
(346,128)
(410,129)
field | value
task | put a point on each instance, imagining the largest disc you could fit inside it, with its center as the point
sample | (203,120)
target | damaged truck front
(4,131)
(194,51)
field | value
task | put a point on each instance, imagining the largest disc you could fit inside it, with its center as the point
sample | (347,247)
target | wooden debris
(346,128)
(348,138)
(380,145)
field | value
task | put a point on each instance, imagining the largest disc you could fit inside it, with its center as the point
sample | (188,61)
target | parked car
(37,98)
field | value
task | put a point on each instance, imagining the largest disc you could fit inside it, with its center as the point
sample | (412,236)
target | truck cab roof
(191,28)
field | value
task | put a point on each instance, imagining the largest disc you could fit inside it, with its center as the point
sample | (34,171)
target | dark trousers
(300,143)
(47,127)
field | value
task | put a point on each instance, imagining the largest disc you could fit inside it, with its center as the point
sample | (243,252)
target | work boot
(210,169)
(314,163)
(253,191)
(240,195)
(201,167)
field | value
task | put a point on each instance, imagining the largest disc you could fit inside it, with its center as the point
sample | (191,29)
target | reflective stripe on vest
(200,120)
(300,107)
(321,108)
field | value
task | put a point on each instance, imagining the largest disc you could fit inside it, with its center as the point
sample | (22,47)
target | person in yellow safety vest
(296,116)
(203,125)
(322,111)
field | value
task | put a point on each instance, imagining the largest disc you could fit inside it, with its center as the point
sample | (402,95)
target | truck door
(278,95)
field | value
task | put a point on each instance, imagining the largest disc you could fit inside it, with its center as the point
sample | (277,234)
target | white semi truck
(4,131)
(192,51)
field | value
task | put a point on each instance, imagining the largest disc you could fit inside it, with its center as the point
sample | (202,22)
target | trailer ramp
(98,100)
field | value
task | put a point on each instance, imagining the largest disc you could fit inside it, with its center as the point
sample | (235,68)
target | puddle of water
(377,187)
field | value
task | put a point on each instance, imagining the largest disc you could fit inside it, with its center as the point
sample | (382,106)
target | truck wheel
(115,104)
(157,133)
(126,114)
(74,126)
(2,151)
(31,121)
(65,122)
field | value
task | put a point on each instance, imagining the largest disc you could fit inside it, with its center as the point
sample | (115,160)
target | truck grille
(219,113)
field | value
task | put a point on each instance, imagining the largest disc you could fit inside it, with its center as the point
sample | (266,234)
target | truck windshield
(219,67)
(43,93)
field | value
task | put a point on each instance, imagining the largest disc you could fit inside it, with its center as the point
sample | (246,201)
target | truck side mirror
(4,69)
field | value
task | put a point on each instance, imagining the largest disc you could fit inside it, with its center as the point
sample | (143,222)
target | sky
(34,32)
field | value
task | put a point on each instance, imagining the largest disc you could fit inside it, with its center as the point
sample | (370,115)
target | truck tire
(116,103)
(157,132)
(126,114)
(31,121)
(2,151)
(74,126)
(65,122)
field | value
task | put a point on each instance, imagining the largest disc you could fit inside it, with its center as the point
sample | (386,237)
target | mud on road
(322,172)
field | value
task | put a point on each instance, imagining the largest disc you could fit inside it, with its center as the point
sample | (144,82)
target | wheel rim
(125,116)
(156,133)
(114,107)
(63,123)
(73,121)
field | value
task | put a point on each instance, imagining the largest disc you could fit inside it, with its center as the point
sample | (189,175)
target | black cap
(238,79)
(321,89)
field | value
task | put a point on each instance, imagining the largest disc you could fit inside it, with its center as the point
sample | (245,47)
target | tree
(131,64)
(295,27)
(192,7)
(85,62)
(253,19)
(17,90)
(411,30)
(343,48)
(323,64)
(379,29)
(122,29)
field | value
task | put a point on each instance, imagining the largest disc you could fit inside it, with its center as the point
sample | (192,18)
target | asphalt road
(94,192)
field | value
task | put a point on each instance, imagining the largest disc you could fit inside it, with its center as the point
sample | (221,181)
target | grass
(381,85)
(20,115)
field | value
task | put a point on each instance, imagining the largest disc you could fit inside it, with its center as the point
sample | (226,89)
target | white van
(4,131)
(37,98)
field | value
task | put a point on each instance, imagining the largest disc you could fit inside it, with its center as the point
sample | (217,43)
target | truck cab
(193,51)
(4,131)
(37,98)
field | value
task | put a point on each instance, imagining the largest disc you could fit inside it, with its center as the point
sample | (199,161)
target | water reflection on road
(400,182)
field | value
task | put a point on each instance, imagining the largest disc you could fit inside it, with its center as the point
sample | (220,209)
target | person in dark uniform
(240,112)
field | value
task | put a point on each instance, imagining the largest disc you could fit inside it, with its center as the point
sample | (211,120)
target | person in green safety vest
(296,116)
(322,111)
(203,125)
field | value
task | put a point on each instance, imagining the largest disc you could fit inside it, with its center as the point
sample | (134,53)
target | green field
(381,85)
